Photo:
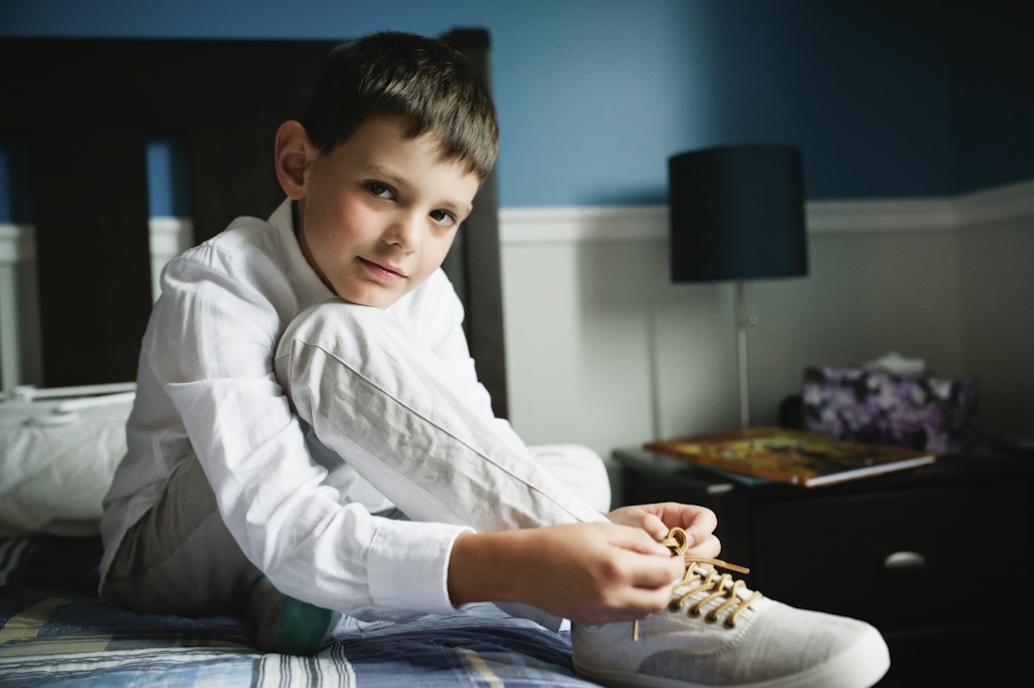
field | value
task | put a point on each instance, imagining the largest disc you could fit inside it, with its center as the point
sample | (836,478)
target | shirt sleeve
(212,353)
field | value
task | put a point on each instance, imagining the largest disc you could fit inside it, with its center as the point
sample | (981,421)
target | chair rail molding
(575,224)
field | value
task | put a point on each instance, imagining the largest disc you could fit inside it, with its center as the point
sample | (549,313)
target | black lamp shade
(737,212)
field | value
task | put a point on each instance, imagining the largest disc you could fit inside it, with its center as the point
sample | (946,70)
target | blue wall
(594,95)
(992,96)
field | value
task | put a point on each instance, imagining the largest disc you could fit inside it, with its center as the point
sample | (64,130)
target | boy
(310,438)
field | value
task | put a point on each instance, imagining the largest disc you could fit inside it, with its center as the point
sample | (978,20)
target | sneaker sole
(860,666)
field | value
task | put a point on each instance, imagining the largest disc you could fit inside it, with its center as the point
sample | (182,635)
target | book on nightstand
(791,456)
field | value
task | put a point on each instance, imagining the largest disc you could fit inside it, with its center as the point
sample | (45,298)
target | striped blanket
(54,631)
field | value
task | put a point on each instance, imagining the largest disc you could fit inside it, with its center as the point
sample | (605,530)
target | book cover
(791,456)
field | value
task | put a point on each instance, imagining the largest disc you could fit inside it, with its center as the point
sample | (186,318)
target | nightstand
(938,557)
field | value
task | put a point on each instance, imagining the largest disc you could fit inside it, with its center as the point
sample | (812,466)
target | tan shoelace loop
(702,571)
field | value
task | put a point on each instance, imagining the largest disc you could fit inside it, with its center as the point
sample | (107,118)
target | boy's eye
(379,189)
(443,216)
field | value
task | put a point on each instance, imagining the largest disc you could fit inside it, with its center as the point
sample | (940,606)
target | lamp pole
(743,321)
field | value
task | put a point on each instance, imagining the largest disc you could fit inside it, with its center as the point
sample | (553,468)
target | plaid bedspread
(54,631)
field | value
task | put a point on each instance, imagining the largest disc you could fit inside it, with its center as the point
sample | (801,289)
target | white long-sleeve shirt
(206,384)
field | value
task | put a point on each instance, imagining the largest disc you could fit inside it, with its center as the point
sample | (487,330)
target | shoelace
(708,580)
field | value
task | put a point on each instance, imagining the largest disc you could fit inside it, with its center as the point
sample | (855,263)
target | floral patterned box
(922,412)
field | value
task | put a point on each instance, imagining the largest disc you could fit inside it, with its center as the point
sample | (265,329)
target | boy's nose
(404,231)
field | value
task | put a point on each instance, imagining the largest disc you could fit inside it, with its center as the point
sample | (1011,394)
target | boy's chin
(383,300)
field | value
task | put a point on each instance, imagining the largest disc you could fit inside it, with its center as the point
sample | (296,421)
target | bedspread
(54,631)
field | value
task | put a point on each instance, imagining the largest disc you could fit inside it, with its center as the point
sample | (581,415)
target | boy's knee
(579,469)
(580,456)
(328,339)
(329,319)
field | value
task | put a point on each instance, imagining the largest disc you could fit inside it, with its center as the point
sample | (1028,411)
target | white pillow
(57,461)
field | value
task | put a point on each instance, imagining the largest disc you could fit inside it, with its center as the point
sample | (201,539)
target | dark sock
(286,625)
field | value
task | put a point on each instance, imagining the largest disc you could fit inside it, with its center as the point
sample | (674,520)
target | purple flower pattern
(927,413)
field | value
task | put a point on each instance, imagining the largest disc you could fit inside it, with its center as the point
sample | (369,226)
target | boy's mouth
(385,272)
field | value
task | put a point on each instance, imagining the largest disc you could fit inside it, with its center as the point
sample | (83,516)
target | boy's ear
(293,155)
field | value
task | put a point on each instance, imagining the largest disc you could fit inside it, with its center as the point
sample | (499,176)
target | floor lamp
(737,213)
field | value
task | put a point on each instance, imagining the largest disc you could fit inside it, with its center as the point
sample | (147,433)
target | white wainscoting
(604,350)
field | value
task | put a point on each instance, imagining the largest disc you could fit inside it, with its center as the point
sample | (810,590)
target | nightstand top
(978,465)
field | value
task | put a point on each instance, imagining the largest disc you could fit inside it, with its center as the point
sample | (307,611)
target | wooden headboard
(84,109)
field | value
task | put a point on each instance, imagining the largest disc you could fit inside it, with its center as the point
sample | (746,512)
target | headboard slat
(231,174)
(93,255)
(481,290)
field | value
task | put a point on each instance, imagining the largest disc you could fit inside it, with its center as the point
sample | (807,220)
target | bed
(78,116)
(54,630)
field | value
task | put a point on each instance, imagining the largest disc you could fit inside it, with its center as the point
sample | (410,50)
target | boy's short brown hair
(425,82)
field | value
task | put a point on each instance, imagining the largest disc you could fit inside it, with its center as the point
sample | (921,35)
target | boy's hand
(657,519)
(587,572)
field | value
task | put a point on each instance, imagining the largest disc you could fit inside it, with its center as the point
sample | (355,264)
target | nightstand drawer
(897,559)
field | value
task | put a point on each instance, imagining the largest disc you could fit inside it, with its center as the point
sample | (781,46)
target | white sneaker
(718,633)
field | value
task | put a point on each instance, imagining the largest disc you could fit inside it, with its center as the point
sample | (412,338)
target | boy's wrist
(484,567)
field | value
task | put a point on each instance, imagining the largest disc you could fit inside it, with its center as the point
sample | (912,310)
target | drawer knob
(904,561)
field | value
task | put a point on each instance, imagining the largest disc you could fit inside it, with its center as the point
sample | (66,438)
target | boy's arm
(210,353)
(588,572)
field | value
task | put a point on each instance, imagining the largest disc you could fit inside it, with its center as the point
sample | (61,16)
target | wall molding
(1000,204)
(170,236)
(561,225)
(576,224)
(878,215)
(17,244)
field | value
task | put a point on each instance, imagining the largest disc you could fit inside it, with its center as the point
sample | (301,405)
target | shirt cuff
(408,565)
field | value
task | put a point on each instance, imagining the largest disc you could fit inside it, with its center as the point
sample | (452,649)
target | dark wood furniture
(77,116)
(938,558)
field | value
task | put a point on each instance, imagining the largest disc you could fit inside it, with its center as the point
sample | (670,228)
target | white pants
(397,415)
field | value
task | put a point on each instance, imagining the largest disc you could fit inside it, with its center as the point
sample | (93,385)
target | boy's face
(379,212)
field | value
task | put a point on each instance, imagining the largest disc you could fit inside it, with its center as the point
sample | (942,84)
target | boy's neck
(299,235)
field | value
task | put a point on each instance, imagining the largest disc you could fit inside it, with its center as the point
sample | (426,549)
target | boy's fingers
(642,601)
(654,526)
(652,572)
(702,524)
(710,548)
(642,518)
(658,575)
(638,540)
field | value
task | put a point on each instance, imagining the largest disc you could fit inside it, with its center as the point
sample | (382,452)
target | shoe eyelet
(729,623)
(674,606)
(694,612)
(710,618)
